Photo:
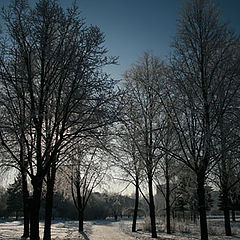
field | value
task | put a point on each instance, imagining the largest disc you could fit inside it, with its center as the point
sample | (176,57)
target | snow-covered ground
(108,230)
(13,230)
(183,231)
(68,230)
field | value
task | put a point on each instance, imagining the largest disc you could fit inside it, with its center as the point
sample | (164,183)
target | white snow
(96,230)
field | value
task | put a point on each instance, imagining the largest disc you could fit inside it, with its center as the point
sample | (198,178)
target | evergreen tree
(14,197)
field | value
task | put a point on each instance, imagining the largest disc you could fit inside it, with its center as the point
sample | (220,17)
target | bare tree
(141,80)
(50,182)
(14,123)
(226,143)
(52,63)
(87,172)
(167,168)
(226,174)
(126,158)
(204,58)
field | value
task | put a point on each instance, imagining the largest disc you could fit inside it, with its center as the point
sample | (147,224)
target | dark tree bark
(79,205)
(49,202)
(25,205)
(233,215)
(168,208)
(225,176)
(16,216)
(152,207)
(227,224)
(202,206)
(149,166)
(194,217)
(134,223)
(80,220)
(226,212)
(25,192)
(35,208)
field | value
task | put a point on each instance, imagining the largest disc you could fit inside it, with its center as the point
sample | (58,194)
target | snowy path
(108,231)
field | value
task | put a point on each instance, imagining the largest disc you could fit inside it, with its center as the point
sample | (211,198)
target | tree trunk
(194,217)
(152,208)
(34,209)
(233,215)
(202,207)
(25,206)
(25,192)
(149,144)
(168,208)
(80,220)
(134,223)
(227,224)
(49,202)
(225,178)
(226,213)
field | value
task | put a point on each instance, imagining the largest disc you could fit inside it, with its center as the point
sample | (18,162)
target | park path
(108,231)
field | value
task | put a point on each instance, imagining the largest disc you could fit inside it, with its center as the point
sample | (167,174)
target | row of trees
(99,206)
(185,113)
(60,111)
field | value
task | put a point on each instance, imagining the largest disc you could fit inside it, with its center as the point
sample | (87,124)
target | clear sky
(134,26)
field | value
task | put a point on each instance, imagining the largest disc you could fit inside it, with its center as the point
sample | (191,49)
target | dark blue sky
(134,26)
